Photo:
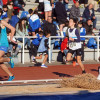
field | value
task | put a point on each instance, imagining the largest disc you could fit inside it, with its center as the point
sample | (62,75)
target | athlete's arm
(78,36)
(10,27)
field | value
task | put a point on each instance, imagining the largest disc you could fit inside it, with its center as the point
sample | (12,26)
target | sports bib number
(72,44)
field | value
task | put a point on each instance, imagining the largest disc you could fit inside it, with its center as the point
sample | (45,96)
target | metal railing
(55,37)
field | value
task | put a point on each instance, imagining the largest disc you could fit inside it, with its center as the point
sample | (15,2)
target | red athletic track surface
(52,72)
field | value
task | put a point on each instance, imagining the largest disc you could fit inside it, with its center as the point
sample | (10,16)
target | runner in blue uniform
(4,47)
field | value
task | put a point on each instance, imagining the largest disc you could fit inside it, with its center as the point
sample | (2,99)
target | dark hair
(40,32)
(75,20)
(9,2)
(80,22)
(47,32)
(30,11)
(36,12)
(1,11)
(20,27)
(15,12)
(5,6)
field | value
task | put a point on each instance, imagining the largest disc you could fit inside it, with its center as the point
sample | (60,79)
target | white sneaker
(44,66)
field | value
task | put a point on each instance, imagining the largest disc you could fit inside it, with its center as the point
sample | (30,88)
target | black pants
(33,50)
(83,1)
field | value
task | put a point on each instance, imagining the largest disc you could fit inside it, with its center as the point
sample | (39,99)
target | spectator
(89,14)
(52,28)
(13,47)
(75,11)
(21,30)
(1,12)
(1,3)
(47,8)
(35,44)
(64,48)
(19,3)
(61,15)
(34,21)
(82,33)
(43,49)
(10,9)
(5,9)
(94,2)
(88,27)
(14,19)
(66,4)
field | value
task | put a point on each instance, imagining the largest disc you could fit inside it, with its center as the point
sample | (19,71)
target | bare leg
(38,57)
(69,57)
(3,66)
(80,63)
(46,15)
(45,59)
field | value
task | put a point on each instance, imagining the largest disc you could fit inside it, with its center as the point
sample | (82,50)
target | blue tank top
(3,38)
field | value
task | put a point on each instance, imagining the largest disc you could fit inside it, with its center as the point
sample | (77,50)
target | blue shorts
(3,48)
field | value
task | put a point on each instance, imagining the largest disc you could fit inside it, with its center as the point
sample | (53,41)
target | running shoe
(83,72)
(34,60)
(74,63)
(11,78)
(44,66)
(11,63)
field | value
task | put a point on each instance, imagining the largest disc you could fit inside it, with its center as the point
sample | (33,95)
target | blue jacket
(36,41)
(86,13)
(34,22)
(14,20)
(82,33)
(4,15)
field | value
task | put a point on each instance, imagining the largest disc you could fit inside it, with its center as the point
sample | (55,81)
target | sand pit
(85,81)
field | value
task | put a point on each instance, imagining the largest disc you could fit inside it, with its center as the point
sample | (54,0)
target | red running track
(52,72)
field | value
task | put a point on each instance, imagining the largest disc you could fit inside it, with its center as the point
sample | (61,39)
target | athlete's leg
(69,57)
(80,63)
(2,59)
(38,57)
(3,66)
(45,58)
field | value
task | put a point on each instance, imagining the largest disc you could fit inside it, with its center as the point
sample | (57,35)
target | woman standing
(48,4)
(4,47)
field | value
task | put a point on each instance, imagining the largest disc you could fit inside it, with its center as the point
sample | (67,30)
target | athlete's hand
(71,39)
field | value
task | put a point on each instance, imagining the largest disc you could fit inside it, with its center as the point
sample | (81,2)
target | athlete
(4,47)
(74,44)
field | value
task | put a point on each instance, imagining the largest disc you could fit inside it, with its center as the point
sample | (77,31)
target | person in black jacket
(61,14)
(89,14)
(49,26)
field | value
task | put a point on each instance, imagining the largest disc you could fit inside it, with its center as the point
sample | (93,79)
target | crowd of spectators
(51,16)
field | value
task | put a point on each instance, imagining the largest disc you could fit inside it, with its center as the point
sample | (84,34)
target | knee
(68,59)
(79,61)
